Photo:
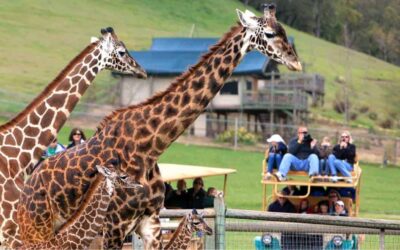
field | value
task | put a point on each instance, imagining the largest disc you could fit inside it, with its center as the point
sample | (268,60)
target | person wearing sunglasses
(342,158)
(302,156)
(76,137)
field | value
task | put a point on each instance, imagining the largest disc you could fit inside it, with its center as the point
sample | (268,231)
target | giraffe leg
(149,229)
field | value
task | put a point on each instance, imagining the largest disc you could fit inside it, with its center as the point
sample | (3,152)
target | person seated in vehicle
(196,194)
(292,190)
(304,207)
(323,207)
(178,197)
(342,158)
(333,197)
(302,156)
(325,149)
(274,154)
(340,209)
(212,192)
(282,204)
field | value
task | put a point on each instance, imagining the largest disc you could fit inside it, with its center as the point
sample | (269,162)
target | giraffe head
(197,223)
(115,56)
(113,176)
(267,35)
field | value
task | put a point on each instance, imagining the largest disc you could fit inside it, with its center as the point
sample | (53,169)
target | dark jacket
(302,150)
(348,153)
(287,207)
(280,149)
(177,200)
(195,200)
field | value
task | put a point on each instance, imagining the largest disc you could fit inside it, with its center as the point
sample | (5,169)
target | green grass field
(40,37)
(379,188)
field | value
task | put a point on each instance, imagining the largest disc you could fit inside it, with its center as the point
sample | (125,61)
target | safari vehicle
(175,172)
(300,178)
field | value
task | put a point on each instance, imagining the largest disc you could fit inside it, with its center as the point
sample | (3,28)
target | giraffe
(192,223)
(134,137)
(88,221)
(23,139)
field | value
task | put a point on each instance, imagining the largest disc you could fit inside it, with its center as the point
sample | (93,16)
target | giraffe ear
(250,14)
(93,39)
(247,19)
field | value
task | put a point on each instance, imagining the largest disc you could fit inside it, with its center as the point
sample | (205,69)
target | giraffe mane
(176,82)
(89,195)
(48,89)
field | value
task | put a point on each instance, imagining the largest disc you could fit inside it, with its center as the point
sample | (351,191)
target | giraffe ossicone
(136,136)
(24,138)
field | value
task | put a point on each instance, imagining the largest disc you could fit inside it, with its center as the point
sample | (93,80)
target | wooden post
(225,180)
(382,239)
(219,207)
(235,142)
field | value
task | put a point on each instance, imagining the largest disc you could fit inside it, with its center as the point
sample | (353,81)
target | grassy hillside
(38,38)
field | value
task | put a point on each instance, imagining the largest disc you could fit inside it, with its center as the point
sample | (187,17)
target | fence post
(219,207)
(235,143)
(382,239)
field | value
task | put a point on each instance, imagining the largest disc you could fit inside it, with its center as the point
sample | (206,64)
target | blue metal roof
(177,62)
(182,44)
(173,56)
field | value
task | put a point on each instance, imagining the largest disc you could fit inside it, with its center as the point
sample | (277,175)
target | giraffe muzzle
(295,66)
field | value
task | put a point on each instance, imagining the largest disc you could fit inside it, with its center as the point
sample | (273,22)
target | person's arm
(282,149)
(294,146)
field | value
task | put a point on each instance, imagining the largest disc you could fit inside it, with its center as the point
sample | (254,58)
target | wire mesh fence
(255,234)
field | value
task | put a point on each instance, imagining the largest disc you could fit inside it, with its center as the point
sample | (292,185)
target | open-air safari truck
(175,172)
(301,179)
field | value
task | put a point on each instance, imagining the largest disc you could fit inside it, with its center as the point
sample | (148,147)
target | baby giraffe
(192,222)
(80,230)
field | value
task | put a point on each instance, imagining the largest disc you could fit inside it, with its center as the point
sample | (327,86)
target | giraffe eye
(121,53)
(123,177)
(270,35)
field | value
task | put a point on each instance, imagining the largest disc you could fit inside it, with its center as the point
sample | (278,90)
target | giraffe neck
(32,130)
(181,237)
(161,119)
(79,231)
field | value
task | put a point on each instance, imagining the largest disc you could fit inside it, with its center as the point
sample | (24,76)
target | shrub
(339,106)
(388,123)
(364,109)
(353,116)
(373,116)
(243,136)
